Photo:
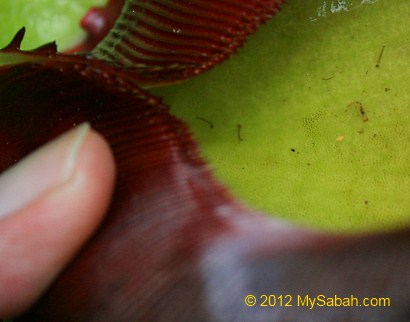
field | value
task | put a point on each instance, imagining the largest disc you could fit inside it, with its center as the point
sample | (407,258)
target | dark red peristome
(175,246)
(170,40)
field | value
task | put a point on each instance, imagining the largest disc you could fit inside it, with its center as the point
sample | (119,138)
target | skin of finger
(37,242)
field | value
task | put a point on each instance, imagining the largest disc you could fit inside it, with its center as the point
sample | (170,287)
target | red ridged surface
(175,247)
(168,41)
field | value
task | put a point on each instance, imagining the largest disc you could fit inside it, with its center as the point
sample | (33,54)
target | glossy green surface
(311,118)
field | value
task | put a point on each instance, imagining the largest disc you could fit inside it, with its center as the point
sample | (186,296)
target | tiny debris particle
(327,78)
(293,150)
(366,202)
(380,56)
(361,109)
(340,138)
(211,125)
(238,132)
(363,113)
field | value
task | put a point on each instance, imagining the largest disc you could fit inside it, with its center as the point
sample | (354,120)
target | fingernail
(41,171)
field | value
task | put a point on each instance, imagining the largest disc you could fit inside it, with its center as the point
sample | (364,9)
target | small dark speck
(366,202)
(308,164)
(293,150)
(238,132)
(211,125)
(380,56)
(387,89)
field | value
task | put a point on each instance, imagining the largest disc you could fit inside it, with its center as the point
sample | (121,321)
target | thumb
(50,203)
